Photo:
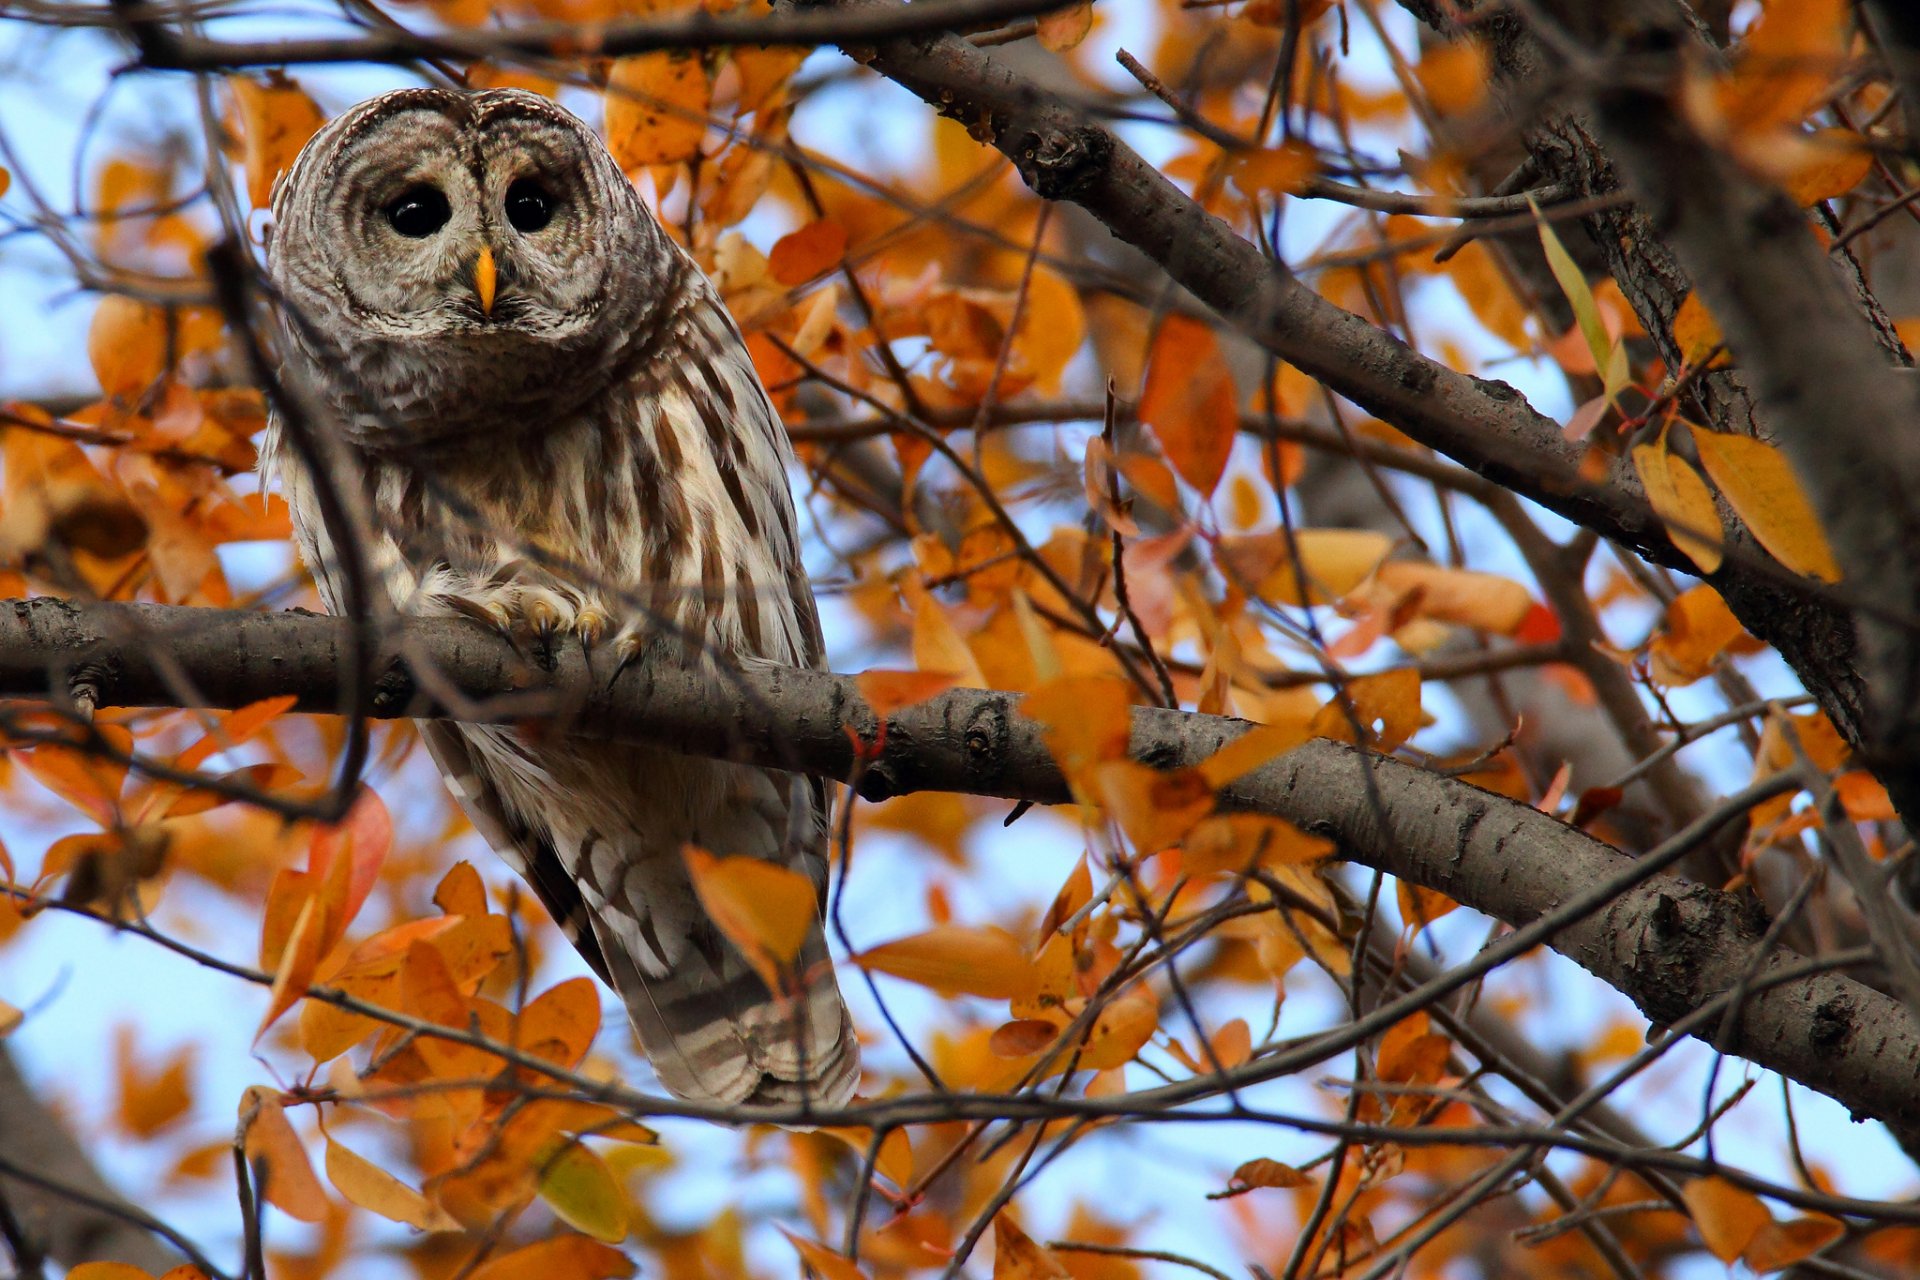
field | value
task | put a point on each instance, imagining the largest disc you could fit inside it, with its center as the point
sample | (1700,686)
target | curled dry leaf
(1258,1173)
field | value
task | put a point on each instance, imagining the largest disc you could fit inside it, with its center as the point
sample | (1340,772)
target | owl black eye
(419,212)
(529,206)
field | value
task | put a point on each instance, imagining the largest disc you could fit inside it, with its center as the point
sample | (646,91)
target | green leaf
(584,1194)
(1608,357)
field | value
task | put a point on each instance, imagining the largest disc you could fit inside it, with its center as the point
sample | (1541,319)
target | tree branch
(1669,945)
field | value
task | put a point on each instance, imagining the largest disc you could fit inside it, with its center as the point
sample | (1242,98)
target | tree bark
(1669,945)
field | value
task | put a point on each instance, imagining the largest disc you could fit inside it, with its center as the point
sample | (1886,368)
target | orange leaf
(656,108)
(1781,1244)
(888,691)
(568,1257)
(894,1161)
(559,1025)
(1022,1038)
(813,250)
(1762,489)
(1682,501)
(1699,628)
(1261,1172)
(1729,1218)
(460,892)
(273,118)
(1016,1256)
(1697,334)
(1281,170)
(1086,720)
(349,855)
(1385,708)
(1189,401)
(956,960)
(1239,842)
(765,909)
(294,973)
(1064,28)
(1833,163)
(372,1188)
(1483,601)
(151,1100)
(1332,562)
(127,344)
(824,1261)
(1155,808)
(87,781)
(1249,751)
(235,728)
(108,1271)
(269,1138)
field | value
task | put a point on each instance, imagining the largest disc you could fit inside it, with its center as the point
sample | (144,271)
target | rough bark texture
(1669,945)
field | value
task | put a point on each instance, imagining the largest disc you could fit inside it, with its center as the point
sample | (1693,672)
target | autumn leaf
(1016,1256)
(1062,29)
(813,250)
(1382,709)
(269,1140)
(824,1261)
(583,1193)
(127,345)
(572,1257)
(1729,1218)
(763,908)
(1763,491)
(1780,1245)
(1189,401)
(273,118)
(1682,501)
(364,1183)
(1261,1172)
(955,960)
(886,692)
(656,108)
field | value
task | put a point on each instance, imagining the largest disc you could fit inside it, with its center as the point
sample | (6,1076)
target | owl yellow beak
(484,279)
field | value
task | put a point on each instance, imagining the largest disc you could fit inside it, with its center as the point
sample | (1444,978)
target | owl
(558,430)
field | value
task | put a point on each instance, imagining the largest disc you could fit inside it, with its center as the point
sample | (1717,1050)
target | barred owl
(559,431)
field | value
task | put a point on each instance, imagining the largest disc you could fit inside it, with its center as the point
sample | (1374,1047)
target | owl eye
(529,207)
(419,212)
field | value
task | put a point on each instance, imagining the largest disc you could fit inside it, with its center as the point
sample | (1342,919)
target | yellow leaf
(1697,333)
(1728,1217)
(656,108)
(1064,28)
(571,1257)
(824,1261)
(268,1139)
(1682,501)
(937,645)
(765,909)
(372,1188)
(1760,486)
(1699,628)
(1455,75)
(1156,808)
(956,960)
(583,1193)
(1483,601)
(894,1161)
(1332,562)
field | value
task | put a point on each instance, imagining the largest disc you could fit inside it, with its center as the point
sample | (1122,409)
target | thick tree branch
(67,1212)
(1670,946)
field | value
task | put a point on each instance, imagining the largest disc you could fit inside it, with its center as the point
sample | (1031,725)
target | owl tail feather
(716,1034)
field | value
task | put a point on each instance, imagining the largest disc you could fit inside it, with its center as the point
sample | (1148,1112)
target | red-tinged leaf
(1017,1256)
(1762,489)
(1780,1245)
(1261,1172)
(583,1193)
(568,1257)
(813,250)
(1022,1038)
(1189,401)
(236,727)
(764,909)
(1729,1218)
(297,962)
(825,1263)
(367,1185)
(268,1138)
(1593,802)
(886,692)
(362,840)
(956,960)
(1682,501)
(1541,626)
(85,780)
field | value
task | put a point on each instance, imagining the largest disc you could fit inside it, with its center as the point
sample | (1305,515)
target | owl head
(454,263)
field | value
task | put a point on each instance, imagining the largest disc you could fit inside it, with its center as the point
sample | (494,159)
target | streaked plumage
(568,433)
